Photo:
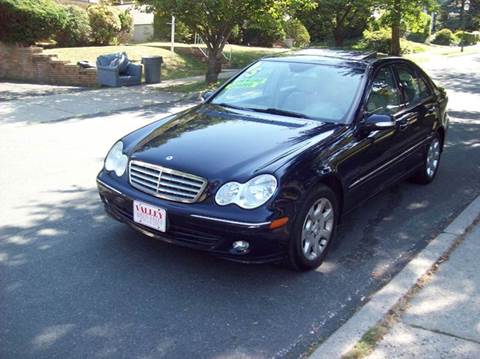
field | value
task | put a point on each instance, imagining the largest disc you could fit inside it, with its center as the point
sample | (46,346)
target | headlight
(249,195)
(116,160)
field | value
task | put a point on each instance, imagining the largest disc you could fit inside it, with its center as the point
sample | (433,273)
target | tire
(314,225)
(426,174)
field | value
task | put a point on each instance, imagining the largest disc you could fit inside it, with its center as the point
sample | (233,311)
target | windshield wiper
(223,104)
(277,111)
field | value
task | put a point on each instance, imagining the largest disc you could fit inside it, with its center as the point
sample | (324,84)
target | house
(142,20)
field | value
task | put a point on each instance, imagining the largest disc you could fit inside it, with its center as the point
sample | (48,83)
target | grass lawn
(175,66)
(241,55)
(437,51)
(183,64)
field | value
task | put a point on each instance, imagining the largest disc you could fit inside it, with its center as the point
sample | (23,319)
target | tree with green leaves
(214,20)
(451,15)
(341,17)
(398,10)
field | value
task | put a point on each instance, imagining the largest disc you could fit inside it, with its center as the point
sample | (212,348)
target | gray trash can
(152,65)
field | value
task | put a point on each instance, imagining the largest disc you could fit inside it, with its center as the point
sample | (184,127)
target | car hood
(219,143)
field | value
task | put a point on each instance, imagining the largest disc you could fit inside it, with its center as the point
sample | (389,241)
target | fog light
(240,246)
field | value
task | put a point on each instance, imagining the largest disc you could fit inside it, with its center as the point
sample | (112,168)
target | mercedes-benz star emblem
(169,158)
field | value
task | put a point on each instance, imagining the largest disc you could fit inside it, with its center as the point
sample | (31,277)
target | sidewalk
(58,107)
(58,103)
(10,91)
(443,318)
(439,312)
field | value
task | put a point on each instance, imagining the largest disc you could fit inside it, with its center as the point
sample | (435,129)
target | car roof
(350,58)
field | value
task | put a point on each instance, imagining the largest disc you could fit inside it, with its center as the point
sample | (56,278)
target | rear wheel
(429,169)
(314,230)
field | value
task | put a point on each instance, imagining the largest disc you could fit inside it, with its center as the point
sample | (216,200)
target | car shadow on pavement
(460,82)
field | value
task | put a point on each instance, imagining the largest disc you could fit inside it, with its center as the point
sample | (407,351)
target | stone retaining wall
(31,64)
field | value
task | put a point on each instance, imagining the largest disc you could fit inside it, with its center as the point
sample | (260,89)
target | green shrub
(378,40)
(445,37)
(77,30)
(295,30)
(105,23)
(469,38)
(126,26)
(381,41)
(264,30)
(27,21)
(418,27)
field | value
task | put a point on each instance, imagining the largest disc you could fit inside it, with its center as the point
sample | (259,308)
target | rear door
(416,120)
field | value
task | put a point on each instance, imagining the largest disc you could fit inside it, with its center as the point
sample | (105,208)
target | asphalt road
(76,284)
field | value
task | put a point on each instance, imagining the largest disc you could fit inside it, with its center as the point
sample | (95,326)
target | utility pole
(172,36)
(462,19)
(465,7)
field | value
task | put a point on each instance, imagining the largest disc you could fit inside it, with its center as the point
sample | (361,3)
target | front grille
(166,183)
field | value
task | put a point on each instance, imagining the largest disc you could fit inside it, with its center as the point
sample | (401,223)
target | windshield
(314,91)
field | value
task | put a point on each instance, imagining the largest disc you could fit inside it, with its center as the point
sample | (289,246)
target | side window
(385,97)
(423,86)
(414,87)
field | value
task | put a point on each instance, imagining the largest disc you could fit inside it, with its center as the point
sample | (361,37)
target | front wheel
(314,230)
(429,169)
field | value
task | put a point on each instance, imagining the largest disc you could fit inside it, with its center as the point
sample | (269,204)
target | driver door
(372,165)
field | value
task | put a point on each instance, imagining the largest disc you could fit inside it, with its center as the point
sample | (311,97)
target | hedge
(264,30)
(28,21)
(295,30)
(418,28)
(469,38)
(77,30)
(445,37)
(126,26)
(379,40)
(105,23)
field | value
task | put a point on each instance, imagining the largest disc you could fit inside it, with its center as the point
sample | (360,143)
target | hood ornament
(169,158)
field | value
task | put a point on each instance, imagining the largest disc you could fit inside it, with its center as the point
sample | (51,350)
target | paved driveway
(74,283)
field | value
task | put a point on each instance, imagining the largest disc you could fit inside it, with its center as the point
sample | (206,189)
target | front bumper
(202,231)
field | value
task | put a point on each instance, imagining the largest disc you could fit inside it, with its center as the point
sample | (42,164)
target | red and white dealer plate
(149,216)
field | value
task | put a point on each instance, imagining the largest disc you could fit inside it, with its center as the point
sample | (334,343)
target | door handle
(431,111)
(403,125)
(406,120)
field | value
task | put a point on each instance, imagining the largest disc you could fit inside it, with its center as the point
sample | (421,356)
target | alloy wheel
(317,228)
(433,157)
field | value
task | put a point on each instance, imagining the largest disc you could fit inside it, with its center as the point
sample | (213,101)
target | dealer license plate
(150,216)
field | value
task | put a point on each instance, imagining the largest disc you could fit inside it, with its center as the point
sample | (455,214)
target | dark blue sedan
(266,166)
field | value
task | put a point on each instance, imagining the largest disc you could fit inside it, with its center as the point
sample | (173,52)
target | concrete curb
(344,339)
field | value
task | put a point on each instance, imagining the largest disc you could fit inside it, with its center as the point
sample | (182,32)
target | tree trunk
(395,45)
(214,65)
(339,36)
(395,49)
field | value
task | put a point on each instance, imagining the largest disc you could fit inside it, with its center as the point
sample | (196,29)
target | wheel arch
(441,133)
(334,183)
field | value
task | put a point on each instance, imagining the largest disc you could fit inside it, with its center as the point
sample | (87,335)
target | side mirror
(378,122)
(206,95)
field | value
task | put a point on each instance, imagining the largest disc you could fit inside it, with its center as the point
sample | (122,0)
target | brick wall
(31,64)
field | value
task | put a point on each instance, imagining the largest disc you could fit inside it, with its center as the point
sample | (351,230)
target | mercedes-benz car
(266,166)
